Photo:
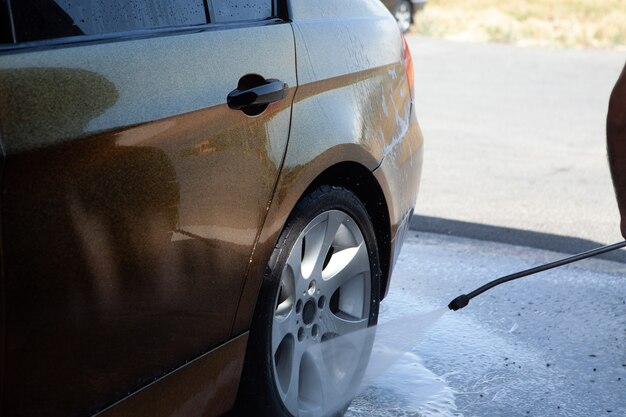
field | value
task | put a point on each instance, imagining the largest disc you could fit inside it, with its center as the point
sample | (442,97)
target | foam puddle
(396,337)
(407,389)
(343,362)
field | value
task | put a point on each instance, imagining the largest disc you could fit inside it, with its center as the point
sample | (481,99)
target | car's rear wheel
(323,285)
(404,15)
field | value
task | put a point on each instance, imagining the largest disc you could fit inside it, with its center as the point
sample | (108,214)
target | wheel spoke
(294,261)
(281,328)
(343,266)
(286,294)
(317,382)
(333,222)
(311,410)
(335,363)
(313,241)
(334,324)
(290,398)
(329,382)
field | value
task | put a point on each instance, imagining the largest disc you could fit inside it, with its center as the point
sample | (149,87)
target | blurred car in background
(404,11)
(183,219)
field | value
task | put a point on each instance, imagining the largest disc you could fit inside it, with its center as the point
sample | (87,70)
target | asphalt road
(551,345)
(515,137)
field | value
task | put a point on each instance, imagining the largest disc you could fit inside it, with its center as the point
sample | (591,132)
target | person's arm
(616,144)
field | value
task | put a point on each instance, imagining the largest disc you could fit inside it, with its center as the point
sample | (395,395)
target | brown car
(195,194)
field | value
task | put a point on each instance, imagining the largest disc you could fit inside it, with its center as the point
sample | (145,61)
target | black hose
(464,299)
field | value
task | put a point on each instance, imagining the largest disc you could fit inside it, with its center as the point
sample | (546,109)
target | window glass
(44,19)
(235,10)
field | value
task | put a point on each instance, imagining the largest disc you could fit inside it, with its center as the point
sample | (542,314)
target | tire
(323,281)
(404,15)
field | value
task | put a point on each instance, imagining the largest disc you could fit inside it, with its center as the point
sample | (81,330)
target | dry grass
(553,23)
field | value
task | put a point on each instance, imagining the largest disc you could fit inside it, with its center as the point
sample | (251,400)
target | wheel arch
(358,179)
(346,165)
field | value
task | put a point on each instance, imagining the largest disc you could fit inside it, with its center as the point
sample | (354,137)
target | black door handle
(253,99)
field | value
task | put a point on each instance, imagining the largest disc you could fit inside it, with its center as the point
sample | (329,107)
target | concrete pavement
(549,345)
(515,137)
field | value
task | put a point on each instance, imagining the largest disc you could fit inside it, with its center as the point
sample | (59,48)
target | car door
(132,193)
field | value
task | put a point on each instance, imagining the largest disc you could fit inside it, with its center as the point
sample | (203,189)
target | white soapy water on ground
(395,338)
(339,359)
(551,345)
(406,389)
(396,382)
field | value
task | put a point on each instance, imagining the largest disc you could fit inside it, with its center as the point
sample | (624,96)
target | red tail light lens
(408,66)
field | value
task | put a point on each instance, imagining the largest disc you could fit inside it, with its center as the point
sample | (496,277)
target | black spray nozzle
(463,300)
(459,302)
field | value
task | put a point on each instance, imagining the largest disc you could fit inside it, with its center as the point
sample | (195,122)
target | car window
(238,10)
(48,19)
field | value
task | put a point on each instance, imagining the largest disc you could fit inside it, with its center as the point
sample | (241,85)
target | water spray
(464,299)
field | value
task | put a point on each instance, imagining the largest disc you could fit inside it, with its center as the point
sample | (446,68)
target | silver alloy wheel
(324,292)
(403,15)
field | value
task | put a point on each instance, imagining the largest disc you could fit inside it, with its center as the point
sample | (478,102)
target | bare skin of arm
(616,144)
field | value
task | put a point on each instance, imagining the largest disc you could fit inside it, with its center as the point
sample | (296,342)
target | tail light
(408,66)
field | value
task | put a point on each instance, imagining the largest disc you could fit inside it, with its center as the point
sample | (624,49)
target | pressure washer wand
(464,299)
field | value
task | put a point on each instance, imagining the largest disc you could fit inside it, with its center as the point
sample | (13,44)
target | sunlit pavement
(515,137)
(553,344)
